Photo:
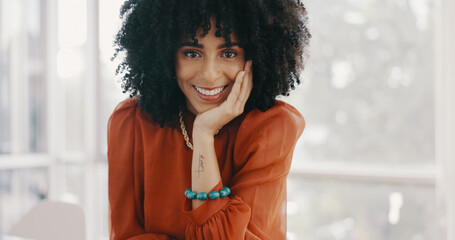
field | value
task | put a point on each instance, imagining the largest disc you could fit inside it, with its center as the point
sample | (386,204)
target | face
(206,72)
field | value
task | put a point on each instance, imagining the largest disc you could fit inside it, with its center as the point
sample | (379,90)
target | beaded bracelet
(212,195)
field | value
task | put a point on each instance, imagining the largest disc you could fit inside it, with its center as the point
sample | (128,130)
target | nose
(211,70)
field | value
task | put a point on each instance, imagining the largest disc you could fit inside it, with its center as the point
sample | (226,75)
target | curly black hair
(273,33)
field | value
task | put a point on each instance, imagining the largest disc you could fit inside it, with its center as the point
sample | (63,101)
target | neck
(191,108)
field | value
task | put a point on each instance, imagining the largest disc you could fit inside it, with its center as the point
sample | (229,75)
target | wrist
(202,131)
(202,136)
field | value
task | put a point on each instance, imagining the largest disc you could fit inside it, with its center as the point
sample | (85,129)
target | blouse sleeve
(126,219)
(256,208)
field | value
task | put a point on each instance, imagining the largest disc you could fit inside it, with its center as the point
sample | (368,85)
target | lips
(210,94)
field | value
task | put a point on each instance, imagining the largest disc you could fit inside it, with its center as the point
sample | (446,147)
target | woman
(202,149)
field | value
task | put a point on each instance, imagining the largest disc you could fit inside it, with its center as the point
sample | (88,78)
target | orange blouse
(150,169)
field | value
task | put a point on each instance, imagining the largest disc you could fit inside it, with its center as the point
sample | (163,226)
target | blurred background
(371,164)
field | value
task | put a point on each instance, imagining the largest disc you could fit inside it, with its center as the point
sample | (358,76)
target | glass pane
(20,190)
(5,134)
(102,200)
(22,77)
(71,67)
(111,95)
(72,183)
(367,93)
(37,74)
(329,209)
(77,189)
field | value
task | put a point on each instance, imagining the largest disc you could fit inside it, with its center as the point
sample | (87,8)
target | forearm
(205,173)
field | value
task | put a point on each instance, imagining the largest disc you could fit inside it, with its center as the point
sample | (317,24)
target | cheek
(184,71)
(231,70)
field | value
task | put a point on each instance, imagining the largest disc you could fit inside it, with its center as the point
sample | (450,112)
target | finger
(234,94)
(243,88)
(246,84)
(250,80)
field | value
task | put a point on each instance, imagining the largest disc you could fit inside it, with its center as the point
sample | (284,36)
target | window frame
(445,114)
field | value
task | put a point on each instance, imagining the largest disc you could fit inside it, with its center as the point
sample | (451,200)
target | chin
(201,109)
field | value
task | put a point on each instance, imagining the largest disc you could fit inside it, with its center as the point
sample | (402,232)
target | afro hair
(273,33)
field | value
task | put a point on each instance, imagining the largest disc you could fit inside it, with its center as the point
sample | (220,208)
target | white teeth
(211,92)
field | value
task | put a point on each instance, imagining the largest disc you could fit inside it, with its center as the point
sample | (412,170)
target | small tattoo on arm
(201,165)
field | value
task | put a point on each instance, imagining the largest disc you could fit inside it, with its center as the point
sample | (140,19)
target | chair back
(50,220)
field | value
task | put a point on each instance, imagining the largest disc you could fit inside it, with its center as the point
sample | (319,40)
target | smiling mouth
(210,92)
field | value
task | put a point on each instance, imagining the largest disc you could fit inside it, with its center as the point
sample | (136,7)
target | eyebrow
(193,44)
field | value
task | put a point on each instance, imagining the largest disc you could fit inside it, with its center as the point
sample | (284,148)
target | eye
(229,54)
(191,54)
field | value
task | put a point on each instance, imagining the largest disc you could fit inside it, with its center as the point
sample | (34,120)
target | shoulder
(282,124)
(130,110)
(123,116)
(120,132)
(277,117)
(268,138)
(125,108)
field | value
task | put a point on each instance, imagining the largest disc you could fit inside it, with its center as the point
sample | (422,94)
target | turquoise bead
(223,193)
(202,196)
(228,190)
(214,195)
(187,191)
(191,195)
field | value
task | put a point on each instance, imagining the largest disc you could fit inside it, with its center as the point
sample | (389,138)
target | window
(365,165)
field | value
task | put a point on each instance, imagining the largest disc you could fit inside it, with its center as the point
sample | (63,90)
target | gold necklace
(185,134)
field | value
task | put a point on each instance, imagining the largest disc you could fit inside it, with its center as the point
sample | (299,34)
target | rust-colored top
(150,169)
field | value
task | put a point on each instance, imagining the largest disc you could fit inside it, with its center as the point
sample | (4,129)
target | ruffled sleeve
(256,208)
(126,219)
